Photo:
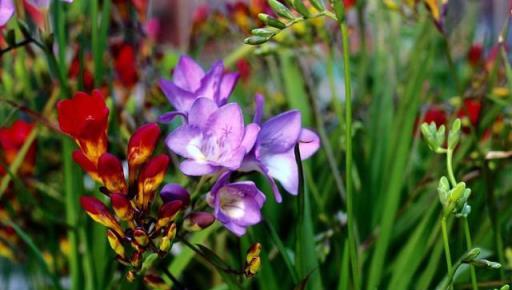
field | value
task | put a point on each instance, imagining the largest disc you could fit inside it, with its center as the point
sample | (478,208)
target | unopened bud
(197,221)
(115,243)
(141,237)
(168,213)
(122,206)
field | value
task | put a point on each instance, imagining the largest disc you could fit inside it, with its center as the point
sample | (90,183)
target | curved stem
(449,265)
(449,166)
(469,245)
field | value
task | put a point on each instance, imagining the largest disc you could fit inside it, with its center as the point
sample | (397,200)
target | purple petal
(169,116)
(280,133)
(172,191)
(188,74)
(309,142)
(185,141)
(7,9)
(258,111)
(180,99)
(226,125)
(273,185)
(283,168)
(250,136)
(232,159)
(226,87)
(210,84)
(194,168)
(200,111)
(236,229)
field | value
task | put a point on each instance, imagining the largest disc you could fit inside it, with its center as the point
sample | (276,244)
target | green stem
(447,250)
(348,161)
(449,166)
(469,246)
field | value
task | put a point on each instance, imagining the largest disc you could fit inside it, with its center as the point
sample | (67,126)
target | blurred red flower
(126,65)
(11,140)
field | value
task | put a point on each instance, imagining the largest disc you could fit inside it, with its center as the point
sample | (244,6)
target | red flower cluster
(131,222)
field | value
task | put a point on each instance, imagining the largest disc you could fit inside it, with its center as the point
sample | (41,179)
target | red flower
(85,118)
(12,139)
(470,111)
(244,68)
(349,3)
(126,66)
(435,114)
(474,55)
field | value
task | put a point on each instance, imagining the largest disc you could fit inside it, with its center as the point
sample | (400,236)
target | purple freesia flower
(213,138)
(236,205)
(273,153)
(7,9)
(190,82)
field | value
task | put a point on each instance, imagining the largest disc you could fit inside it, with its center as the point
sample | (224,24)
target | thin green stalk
(447,254)
(348,161)
(449,166)
(469,246)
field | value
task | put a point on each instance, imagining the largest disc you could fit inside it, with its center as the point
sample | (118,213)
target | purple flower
(273,153)
(190,82)
(7,9)
(236,205)
(213,138)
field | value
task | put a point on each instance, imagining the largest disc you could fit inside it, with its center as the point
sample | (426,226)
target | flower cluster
(132,221)
(215,141)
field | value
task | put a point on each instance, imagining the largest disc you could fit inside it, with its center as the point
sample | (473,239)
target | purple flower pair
(215,140)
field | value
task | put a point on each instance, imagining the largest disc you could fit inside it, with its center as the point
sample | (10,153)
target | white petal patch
(232,203)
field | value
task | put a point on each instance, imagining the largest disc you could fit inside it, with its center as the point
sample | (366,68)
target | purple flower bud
(171,192)
(197,221)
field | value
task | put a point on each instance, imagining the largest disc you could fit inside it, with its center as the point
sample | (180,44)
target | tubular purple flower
(190,82)
(236,205)
(213,139)
(273,153)
(7,9)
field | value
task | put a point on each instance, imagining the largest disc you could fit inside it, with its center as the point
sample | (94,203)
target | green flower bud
(255,40)
(280,9)
(301,8)
(454,135)
(318,4)
(271,21)
(264,32)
